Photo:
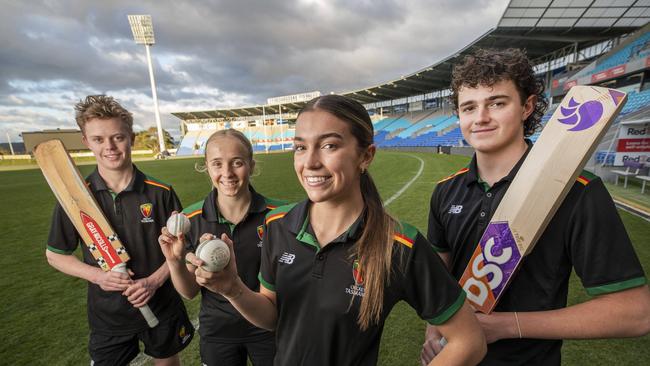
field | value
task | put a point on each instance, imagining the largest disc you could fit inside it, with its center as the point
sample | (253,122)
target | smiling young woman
(235,209)
(334,265)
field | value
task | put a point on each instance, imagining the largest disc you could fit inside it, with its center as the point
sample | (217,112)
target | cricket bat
(79,204)
(541,184)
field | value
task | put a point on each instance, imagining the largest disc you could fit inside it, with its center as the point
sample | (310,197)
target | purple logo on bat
(491,266)
(581,116)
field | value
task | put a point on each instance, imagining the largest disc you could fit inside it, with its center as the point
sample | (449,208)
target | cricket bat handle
(149,316)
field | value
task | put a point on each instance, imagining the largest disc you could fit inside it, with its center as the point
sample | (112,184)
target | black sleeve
(192,237)
(63,237)
(435,230)
(269,260)
(173,203)
(429,288)
(601,251)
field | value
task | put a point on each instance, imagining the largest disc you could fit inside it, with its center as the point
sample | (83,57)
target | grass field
(43,313)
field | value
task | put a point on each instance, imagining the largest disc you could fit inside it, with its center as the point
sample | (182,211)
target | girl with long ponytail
(334,265)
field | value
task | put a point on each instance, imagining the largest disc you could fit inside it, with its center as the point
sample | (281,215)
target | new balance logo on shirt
(455,209)
(287,258)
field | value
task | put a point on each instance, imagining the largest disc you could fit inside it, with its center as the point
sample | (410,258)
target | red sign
(633,145)
(608,74)
(570,84)
(647,61)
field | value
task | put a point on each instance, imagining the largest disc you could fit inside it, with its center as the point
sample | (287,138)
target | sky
(215,54)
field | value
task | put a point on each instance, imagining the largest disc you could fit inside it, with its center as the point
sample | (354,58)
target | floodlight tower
(142,29)
(11,147)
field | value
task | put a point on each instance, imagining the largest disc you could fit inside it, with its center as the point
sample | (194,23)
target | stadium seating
(636,101)
(275,137)
(428,129)
(186,147)
(640,47)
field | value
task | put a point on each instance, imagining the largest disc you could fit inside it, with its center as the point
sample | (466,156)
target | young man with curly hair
(499,103)
(137,206)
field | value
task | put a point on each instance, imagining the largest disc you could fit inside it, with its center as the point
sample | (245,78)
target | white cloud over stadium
(217,53)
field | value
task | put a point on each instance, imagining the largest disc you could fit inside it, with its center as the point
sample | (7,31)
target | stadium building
(571,42)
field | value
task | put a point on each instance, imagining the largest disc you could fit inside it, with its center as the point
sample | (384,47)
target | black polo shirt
(220,321)
(586,234)
(319,289)
(137,214)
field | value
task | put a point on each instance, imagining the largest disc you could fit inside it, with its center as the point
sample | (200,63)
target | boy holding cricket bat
(499,103)
(137,207)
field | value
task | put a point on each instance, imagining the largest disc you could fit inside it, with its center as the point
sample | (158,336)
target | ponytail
(374,250)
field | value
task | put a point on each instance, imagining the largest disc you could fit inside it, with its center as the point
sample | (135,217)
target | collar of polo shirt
(301,227)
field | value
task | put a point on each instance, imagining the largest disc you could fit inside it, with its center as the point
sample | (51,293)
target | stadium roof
(539,26)
(250,111)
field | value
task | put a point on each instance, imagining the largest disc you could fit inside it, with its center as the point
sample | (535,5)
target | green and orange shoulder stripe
(462,171)
(272,204)
(193,209)
(278,213)
(585,177)
(156,183)
(405,234)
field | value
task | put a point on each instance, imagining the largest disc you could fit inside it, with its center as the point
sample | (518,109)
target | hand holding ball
(214,253)
(178,223)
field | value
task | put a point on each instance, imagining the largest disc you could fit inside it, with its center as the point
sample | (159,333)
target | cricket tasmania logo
(491,266)
(260,234)
(260,231)
(145,210)
(357,289)
(356,273)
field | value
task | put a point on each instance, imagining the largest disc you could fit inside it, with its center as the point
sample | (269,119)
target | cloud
(211,54)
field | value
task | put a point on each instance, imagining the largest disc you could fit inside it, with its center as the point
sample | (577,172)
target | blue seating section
(383,123)
(635,102)
(186,147)
(399,123)
(428,132)
(446,123)
(638,48)
(193,142)
(428,124)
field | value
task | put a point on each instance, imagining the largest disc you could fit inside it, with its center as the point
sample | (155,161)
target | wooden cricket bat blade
(541,184)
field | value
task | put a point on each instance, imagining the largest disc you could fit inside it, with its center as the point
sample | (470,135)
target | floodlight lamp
(142,28)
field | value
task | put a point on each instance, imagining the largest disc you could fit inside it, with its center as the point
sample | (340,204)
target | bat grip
(146,312)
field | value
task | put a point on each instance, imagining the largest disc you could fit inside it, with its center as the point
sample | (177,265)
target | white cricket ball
(177,223)
(214,253)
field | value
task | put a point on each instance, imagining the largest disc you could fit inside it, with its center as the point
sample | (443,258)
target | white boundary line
(142,358)
(407,185)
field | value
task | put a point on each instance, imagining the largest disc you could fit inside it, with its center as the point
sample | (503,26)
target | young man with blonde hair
(137,206)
